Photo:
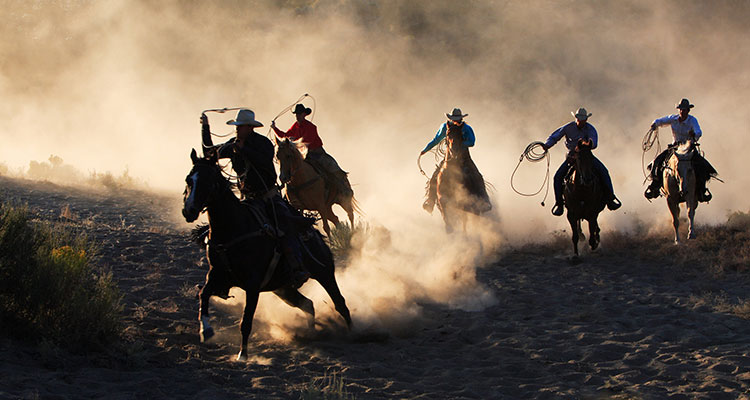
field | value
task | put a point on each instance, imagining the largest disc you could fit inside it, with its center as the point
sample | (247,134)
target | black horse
(242,251)
(584,195)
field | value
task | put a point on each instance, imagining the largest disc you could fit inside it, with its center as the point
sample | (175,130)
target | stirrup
(706,196)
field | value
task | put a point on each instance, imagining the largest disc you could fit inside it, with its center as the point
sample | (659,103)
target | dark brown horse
(460,186)
(242,251)
(306,189)
(584,196)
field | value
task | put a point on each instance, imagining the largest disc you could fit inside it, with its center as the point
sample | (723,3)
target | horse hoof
(206,334)
(691,236)
(242,356)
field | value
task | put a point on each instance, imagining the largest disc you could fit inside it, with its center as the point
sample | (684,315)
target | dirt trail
(614,326)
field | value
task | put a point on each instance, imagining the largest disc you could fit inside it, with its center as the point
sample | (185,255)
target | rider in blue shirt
(574,131)
(457,118)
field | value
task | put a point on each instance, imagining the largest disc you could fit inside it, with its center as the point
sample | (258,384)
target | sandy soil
(614,326)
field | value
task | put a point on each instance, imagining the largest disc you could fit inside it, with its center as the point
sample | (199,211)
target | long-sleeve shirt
(466,133)
(680,129)
(253,162)
(305,130)
(572,134)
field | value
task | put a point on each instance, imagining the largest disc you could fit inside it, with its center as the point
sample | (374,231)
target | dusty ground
(614,326)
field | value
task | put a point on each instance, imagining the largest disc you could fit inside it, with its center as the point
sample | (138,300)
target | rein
(532,154)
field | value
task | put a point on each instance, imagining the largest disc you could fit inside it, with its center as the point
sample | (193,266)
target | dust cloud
(119,85)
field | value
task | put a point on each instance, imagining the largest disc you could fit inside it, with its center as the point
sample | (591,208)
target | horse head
(584,163)
(202,182)
(289,156)
(682,169)
(455,140)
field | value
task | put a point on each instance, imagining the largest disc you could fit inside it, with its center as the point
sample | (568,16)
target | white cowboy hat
(581,114)
(456,115)
(245,117)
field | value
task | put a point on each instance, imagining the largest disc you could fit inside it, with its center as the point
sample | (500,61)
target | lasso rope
(532,154)
(437,151)
(651,137)
(289,107)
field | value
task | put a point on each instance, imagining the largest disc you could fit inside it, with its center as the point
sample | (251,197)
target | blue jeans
(601,170)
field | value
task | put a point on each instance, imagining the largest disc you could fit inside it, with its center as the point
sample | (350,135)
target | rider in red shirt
(301,129)
(316,155)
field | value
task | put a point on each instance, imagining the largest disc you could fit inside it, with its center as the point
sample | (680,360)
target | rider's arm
(593,136)
(695,127)
(440,135)
(206,132)
(468,135)
(555,137)
(664,120)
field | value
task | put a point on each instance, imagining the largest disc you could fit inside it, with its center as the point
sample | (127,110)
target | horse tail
(199,235)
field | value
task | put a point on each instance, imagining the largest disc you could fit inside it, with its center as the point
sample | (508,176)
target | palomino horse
(242,251)
(307,190)
(679,186)
(460,186)
(584,197)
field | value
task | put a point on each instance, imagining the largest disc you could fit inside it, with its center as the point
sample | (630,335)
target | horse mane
(295,145)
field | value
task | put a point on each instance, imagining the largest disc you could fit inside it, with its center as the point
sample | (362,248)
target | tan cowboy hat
(245,117)
(581,114)
(456,115)
(684,103)
(299,108)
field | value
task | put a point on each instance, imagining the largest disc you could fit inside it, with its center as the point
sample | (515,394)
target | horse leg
(674,209)
(328,281)
(691,206)
(246,326)
(294,298)
(593,234)
(575,228)
(206,331)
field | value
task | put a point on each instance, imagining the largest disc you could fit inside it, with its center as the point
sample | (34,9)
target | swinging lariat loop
(533,154)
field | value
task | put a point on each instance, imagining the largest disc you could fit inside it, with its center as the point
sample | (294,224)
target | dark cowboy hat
(299,108)
(456,115)
(684,103)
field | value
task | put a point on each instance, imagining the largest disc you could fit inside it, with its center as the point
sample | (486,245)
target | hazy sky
(110,85)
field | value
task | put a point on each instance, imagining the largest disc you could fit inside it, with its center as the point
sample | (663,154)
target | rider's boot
(701,191)
(653,190)
(614,203)
(559,207)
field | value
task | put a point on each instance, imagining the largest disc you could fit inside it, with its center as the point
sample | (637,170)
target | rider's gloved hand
(653,127)
(204,119)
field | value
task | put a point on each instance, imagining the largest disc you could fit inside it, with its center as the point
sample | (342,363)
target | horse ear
(194,156)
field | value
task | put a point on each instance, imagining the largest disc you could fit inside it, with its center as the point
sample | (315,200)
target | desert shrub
(340,240)
(328,387)
(48,288)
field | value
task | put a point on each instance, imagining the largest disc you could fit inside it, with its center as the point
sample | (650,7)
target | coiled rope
(439,154)
(533,154)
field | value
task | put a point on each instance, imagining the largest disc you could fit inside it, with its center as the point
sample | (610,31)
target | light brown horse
(584,196)
(307,190)
(679,186)
(460,186)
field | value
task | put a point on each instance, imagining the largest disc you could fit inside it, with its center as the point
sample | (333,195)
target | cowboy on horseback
(334,176)
(456,117)
(252,159)
(575,131)
(684,127)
